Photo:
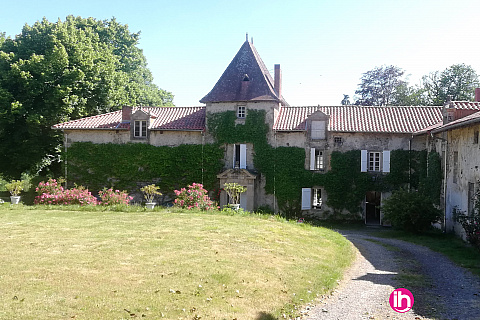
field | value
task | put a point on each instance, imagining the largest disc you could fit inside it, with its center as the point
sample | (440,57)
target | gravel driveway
(441,289)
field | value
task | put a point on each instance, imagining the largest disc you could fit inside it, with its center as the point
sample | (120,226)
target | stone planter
(234,206)
(14,199)
(150,205)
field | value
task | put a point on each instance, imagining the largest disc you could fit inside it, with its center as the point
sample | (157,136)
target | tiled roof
(362,118)
(245,79)
(428,129)
(465,105)
(470,119)
(163,118)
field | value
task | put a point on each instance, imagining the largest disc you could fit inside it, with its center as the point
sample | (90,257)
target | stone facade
(247,85)
(458,143)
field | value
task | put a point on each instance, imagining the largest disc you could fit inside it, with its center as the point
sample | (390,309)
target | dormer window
(318,130)
(241,112)
(140,129)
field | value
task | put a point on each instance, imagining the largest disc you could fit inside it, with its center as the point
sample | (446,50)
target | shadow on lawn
(265,316)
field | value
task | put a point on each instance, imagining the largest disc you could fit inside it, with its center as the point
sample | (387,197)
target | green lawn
(122,265)
(460,252)
(453,247)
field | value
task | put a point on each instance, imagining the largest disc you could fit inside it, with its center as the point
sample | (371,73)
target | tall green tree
(457,81)
(379,86)
(54,72)
(406,95)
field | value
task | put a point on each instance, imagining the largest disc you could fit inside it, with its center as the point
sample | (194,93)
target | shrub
(234,190)
(14,187)
(410,211)
(51,192)
(471,225)
(195,197)
(150,192)
(110,197)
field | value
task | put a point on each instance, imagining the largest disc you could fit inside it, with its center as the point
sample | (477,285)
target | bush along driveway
(442,289)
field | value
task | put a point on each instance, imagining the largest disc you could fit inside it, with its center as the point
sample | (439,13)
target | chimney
(278,81)
(126,114)
(477,94)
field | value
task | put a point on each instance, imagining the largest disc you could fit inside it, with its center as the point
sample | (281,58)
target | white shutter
(243,156)
(386,161)
(318,129)
(306,198)
(363,165)
(312,158)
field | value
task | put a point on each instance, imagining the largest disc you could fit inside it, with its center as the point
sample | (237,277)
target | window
(375,161)
(475,137)
(241,112)
(140,129)
(240,156)
(311,198)
(317,198)
(318,130)
(317,159)
(337,140)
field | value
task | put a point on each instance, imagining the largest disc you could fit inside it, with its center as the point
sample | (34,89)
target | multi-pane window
(317,198)
(337,140)
(312,198)
(140,129)
(241,112)
(374,161)
(318,160)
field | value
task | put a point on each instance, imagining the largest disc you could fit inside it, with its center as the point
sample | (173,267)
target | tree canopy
(54,72)
(458,82)
(383,86)
(379,86)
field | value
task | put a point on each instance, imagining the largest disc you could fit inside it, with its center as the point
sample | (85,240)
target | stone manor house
(246,86)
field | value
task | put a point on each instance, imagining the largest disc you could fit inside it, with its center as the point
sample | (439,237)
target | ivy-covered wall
(283,168)
(123,165)
(285,174)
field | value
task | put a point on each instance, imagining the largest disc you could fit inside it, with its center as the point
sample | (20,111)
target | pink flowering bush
(195,197)
(51,192)
(110,197)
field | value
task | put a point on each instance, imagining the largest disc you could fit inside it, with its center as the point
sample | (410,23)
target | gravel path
(441,289)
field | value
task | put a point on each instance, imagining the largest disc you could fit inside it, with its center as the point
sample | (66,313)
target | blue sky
(323,46)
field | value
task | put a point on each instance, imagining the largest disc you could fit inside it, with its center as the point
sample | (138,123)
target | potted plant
(15,187)
(234,190)
(150,192)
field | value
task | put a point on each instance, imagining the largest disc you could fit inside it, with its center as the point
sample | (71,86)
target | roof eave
(456,125)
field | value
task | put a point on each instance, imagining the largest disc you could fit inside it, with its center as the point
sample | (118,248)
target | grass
(59,264)
(450,245)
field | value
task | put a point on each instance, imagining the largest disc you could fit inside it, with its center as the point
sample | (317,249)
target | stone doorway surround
(242,177)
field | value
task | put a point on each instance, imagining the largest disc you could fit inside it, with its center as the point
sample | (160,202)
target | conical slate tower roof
(245,79)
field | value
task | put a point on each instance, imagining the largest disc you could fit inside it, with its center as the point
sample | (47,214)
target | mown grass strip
(60,264)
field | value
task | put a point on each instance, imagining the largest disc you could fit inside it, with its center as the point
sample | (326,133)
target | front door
(372,207)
